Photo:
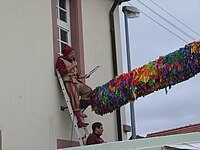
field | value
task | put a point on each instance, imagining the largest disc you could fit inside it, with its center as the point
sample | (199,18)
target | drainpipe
(114,61)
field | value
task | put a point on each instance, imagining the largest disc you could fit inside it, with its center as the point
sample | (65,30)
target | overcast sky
(148,41)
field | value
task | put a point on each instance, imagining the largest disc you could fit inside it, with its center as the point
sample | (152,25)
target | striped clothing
(75,88)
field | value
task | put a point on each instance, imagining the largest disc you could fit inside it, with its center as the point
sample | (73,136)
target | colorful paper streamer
(161,73)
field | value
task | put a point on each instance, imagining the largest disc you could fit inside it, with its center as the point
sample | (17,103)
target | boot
(80,122)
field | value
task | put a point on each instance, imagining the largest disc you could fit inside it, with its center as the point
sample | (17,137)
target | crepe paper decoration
(161,73)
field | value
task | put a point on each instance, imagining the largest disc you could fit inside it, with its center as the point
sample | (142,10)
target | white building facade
(32,32)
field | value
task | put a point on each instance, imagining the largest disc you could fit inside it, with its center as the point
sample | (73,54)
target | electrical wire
(176,27)
(161,25)
(175,18)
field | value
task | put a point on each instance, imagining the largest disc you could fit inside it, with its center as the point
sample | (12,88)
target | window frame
(76,32)
(62,25)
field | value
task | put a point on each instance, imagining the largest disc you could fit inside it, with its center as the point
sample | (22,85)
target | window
(68,30)
(63,24)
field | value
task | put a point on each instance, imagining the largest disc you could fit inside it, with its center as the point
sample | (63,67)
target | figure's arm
(73,65)
(63,69)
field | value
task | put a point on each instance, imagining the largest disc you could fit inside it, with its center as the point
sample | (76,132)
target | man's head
(68,51)
(97,128)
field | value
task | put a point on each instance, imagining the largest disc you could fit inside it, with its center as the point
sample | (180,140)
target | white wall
(98,51)
(30,116)
(30,99)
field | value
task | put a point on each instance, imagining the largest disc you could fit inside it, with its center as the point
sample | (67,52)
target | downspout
(114,61)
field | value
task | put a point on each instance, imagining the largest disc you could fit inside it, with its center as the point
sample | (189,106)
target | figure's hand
(81,77)
(74,64)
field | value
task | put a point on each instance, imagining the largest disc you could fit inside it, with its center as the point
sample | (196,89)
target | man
(67,66)
(95,138)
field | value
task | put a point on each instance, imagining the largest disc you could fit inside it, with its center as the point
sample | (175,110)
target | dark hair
(96,125)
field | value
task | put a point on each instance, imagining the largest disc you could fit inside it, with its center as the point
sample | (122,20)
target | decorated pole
(161,73)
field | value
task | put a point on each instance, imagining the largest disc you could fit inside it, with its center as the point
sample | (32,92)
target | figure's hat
(67,49)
